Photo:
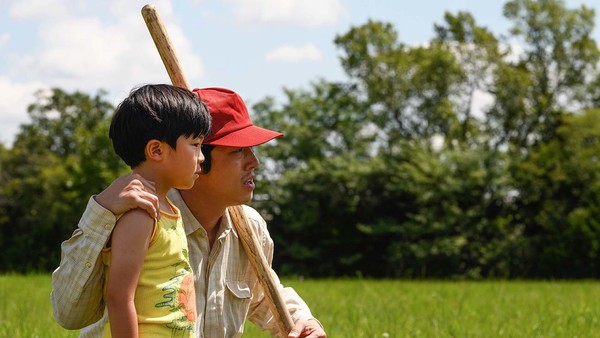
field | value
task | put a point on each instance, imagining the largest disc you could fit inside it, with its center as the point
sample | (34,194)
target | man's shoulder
(258,223)
(253,214)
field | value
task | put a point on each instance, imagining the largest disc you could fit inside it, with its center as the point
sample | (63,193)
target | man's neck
(206,213)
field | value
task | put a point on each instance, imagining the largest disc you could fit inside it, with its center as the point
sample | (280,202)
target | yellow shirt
(164,297)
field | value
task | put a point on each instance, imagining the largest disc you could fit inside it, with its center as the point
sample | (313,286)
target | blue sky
(255,47)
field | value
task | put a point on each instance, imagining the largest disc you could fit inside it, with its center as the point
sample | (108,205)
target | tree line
(475,155)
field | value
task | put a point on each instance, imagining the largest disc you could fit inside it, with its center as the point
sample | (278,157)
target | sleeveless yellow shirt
(165,301)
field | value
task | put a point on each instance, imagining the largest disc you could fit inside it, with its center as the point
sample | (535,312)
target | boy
(158,131)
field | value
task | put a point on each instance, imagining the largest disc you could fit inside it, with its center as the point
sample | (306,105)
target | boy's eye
(198,142)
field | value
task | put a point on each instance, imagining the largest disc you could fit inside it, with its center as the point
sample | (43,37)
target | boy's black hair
(161,112)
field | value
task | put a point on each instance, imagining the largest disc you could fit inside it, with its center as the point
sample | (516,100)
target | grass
(25,309)
(386,308)
(355,308)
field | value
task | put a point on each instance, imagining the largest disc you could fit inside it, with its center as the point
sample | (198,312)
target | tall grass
(25,309)
(388,308)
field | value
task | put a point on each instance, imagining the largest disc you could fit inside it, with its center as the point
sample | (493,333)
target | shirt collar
(190,223)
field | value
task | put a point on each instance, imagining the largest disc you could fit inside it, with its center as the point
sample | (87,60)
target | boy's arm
(77,284)
(129,245)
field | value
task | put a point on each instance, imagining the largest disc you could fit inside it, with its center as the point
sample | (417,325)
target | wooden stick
(165,47)
(240,221)
(261,267)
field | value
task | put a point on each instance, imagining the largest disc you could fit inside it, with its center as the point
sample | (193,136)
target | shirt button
(88,265)
(107,226)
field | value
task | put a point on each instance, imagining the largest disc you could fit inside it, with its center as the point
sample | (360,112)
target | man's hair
(207,164)
(161,112)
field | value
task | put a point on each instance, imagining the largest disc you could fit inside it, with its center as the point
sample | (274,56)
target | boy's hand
(129,192)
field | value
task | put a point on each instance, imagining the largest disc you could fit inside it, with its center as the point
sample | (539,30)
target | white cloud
(481,103)
(4,38)
(515,51)
(86,50)
(35,9)
(437,142)
(301,13)
(295,54)
(14,98)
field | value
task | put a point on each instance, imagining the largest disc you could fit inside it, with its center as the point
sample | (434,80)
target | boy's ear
(154,150)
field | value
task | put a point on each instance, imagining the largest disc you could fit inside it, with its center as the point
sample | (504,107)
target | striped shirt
(227,290)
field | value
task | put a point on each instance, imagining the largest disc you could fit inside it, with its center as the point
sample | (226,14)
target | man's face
(230,180)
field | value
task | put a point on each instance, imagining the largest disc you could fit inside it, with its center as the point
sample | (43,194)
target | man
(227,290)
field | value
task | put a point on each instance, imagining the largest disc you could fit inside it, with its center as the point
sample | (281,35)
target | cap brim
(247,137)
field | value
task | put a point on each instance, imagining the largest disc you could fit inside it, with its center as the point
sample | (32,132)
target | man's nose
(200,157)
(252,160)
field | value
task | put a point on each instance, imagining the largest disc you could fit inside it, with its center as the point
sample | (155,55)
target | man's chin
(247,199)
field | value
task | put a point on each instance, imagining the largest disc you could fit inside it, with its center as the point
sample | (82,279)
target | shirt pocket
(236,305)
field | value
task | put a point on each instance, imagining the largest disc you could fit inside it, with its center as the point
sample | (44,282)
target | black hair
(207,164)
(161,112)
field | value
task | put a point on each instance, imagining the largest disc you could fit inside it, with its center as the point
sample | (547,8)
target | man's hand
(308,329)
(130,192)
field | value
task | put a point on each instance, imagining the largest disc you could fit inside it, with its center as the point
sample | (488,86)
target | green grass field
(367,308)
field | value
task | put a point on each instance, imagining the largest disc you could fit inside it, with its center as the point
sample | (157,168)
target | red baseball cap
(231,124)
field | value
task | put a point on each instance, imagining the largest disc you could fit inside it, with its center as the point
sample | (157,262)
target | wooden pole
(164,46)
(261,267)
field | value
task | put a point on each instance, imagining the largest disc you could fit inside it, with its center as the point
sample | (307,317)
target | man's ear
(154,150)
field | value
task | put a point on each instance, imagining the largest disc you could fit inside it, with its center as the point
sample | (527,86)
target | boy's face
(183,163)
(230,180)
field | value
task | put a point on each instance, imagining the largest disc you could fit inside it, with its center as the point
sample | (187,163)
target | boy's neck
(161,189)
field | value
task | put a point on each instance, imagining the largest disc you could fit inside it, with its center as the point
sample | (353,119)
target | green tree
(535,96)
(408,90)
(57,161)
(559,201)
(379,196)
(384,198)
(325,142)
(479,54)
(551,74)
